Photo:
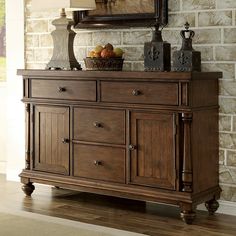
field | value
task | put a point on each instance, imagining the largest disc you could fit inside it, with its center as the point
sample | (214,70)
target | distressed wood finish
(27,136)
(151,164)
(187,172)
(99,163)
(52,139)
(99,125)
(142,135)
(140,92)
(73,90)
(206,126)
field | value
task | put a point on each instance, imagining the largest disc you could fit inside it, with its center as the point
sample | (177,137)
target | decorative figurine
(187,59)
(157,52)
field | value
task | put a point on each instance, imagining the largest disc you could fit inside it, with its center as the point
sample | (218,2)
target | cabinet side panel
(204,93)
(205,150)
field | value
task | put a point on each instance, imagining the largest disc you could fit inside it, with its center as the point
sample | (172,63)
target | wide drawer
(163,93)
(99,125)
(100,163)
(61,89)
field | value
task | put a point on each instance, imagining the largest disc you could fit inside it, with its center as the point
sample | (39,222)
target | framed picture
(123,13)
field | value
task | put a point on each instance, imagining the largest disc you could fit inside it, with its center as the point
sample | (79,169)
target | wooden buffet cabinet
(150,136)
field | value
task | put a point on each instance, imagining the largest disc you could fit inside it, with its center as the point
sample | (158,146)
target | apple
(98,49)
(118,52)
(107,53)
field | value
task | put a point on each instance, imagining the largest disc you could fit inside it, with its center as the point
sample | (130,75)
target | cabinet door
(52,139)
(153,149)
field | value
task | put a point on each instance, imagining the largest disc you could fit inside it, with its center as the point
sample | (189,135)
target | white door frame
(15,108)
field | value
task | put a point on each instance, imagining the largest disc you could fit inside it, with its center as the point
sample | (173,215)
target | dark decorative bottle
(187,59)
(157,52)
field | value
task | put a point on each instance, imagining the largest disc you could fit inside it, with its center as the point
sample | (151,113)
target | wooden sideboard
(150,136)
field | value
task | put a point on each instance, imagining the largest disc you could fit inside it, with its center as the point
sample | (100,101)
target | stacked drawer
(99,144)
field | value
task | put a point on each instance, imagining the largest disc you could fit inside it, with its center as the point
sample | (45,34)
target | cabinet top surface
(118,74)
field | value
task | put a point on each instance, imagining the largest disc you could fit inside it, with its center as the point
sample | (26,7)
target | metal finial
(187,33)
(187,25)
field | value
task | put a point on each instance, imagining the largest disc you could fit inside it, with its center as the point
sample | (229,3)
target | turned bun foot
(188,217)
(212,206)
(28,189)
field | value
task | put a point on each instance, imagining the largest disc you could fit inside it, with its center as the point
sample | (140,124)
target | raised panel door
(152,150)
(52,147)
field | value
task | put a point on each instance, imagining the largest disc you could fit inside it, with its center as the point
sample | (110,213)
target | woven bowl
(112,64)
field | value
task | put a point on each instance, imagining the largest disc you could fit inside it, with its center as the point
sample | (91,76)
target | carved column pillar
(187,173)
(28,186)
(27,136)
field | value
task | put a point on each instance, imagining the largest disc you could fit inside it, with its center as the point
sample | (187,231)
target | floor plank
(148,218)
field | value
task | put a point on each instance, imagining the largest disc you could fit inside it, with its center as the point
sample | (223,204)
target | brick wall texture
(214,22)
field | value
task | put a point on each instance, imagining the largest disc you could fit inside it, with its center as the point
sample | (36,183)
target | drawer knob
(65,140)
(136,92)
(97,124)
(132,147)
(97,163)
(61,89)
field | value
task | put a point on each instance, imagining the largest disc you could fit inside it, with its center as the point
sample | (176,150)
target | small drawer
(162,93)
(61,89)
(99,125)
(100,163)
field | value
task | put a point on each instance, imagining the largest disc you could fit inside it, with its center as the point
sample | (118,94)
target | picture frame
(108,16)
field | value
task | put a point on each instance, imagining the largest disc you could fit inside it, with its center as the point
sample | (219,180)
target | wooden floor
(135,216)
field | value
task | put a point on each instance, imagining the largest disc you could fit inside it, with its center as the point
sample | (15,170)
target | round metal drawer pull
(136,92)
(97,163)
(61,89)
(97,124)
(132,147)
(65,140)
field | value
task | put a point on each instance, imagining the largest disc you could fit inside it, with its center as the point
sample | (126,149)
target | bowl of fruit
(105,58)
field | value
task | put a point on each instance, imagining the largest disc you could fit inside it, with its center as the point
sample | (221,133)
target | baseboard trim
(226,207)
